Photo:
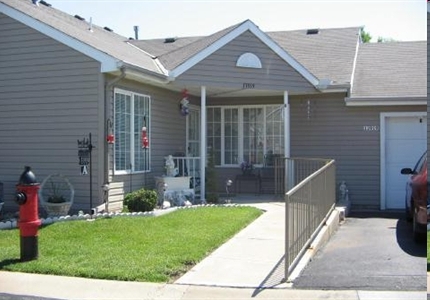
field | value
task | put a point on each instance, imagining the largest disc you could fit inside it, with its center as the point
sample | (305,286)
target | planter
(56,195)
(57,209)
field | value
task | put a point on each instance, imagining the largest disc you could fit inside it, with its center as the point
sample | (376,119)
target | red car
(417,201)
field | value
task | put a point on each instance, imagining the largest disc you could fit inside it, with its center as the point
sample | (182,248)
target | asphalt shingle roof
(99,38)
(171,55)
(382,69)
(391,69)
(328,54)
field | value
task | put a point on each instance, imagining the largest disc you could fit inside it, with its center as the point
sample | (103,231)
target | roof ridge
(320,28)
(223,31)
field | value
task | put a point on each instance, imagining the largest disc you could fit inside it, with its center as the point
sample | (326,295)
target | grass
(150,249)
(428,250)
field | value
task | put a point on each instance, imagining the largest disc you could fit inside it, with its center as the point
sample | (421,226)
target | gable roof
(183,58)
(390,70)
(328,54)
(111,49)
(332,57)
(173,54)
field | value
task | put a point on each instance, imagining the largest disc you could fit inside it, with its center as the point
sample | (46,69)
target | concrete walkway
(248,266)
(253,258)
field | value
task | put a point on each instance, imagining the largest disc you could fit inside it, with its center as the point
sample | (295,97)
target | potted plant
(56,195)
(246,168)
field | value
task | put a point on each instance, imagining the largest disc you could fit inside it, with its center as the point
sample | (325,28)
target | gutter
(143,75)
(329,86)
(107,92)
(385,101)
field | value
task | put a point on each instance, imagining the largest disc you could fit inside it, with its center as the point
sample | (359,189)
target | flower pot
(56,195)
(57,209)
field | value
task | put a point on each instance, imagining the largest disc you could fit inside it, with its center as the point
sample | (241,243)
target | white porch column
(203,143)
(287,141)
(288,182)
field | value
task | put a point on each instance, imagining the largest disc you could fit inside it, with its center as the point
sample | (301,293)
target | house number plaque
(370,128)
(247,85)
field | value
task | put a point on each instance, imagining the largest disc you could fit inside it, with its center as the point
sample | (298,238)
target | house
(307,93)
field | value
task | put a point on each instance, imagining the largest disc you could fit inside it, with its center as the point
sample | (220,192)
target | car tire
(408,214)
(419,237)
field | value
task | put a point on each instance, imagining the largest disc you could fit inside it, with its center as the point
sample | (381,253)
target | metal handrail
(307,206)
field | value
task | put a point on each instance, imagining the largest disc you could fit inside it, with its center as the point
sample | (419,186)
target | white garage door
(405,140)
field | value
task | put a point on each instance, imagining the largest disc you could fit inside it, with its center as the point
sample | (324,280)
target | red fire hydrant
(29,221)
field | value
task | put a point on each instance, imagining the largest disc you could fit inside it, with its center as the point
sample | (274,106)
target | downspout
(108,87)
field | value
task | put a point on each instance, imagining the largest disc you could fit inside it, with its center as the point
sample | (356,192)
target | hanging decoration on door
(184,103)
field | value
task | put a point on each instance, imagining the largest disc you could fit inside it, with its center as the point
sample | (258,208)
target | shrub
(211,180)
(141,200)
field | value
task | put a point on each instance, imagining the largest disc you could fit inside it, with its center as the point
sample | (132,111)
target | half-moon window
(249,60)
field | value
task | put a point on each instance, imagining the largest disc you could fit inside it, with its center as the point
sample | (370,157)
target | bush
(141,200)
(211,180)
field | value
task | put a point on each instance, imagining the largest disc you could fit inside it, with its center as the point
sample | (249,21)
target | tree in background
(365,36)
(385,40)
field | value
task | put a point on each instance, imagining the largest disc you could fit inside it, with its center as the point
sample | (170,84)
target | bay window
(131,114)
(246,133)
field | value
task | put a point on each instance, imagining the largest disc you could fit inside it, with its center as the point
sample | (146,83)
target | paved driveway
(369,252)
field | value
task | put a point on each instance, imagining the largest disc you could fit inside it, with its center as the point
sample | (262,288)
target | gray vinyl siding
(333,130)
(49,98)
(219,69)
(167,132)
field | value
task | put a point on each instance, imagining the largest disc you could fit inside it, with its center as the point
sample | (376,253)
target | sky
(403,20)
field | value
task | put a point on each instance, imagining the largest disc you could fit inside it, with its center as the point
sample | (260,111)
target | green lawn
(428,250)
(152,249)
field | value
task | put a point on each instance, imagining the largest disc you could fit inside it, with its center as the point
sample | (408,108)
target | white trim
(156,60)
(108,63)
(161,67)
(247,25)
(385,101)
(354,63)
(382,136)
(287,141)
(203,143)
(132,144)
(195,109)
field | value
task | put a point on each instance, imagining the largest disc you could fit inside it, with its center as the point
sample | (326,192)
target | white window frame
(132,143)
(240,129)
(195,109)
